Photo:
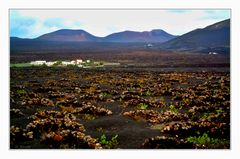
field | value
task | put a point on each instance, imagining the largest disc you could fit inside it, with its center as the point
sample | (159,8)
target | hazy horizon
(34,23)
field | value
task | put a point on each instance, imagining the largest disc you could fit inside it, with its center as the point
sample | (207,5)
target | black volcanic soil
(147,108)
(138,57)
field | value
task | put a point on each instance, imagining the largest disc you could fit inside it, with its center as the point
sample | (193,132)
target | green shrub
(218,111)
(206,115)
(206,140)
(105,94)
(111,143)
(142,106)
(173,108)
(148,93)
(21,92)
(57,63)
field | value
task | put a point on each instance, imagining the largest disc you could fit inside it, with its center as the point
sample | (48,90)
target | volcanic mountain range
(215,37)
(125,36)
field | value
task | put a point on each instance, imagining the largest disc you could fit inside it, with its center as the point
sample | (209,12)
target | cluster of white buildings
(77,62)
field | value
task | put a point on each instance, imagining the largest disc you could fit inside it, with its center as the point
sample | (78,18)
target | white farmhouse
(38,62)
(73,62)
(79,61)
(66,63)
(212,53)
(149,45)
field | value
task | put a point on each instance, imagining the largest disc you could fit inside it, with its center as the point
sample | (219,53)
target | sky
(33,23)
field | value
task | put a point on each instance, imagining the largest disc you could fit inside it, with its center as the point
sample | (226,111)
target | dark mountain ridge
(213,38)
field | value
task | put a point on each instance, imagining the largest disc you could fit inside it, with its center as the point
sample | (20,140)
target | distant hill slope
(69,35)
(126,36)
(213,38)
(146,36)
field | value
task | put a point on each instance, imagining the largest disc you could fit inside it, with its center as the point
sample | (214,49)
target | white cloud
(104,22)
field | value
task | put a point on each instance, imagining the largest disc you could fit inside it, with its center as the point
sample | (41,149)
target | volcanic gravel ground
(72,108)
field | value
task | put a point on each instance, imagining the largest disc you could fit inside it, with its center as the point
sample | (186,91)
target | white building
(149,45)
(51,63)
(79,61)
(38,62)
(66,63)
(212,53)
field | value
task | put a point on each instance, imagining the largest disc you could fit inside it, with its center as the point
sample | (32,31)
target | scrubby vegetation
(103,108)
